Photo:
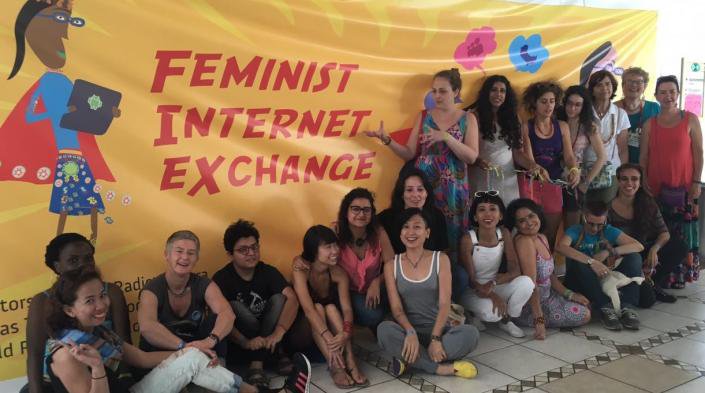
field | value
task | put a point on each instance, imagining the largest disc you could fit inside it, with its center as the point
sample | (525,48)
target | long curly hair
(535,90)
(507,117)
(64,293)
(585,118)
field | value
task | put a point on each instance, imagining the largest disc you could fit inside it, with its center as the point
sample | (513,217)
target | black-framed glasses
(479,194)
(366,210)
(63,18)
(245,250)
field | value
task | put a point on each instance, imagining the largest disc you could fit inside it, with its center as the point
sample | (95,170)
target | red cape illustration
(32,147)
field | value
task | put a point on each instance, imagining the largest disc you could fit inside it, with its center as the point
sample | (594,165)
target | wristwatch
(215,338)
(181,345)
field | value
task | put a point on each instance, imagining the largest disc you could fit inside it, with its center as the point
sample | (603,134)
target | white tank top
(486,260)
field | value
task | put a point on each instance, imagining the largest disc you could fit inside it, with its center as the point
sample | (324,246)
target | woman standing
(500,139)
(446,137)
(547,142)
(672,156)
(661,254)
(613,125)
(634,82)
(498,291)
(577,112)
(322,289)
(551,304)
(419,286)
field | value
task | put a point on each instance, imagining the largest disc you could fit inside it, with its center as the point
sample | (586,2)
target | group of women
(473,219)
(565,154)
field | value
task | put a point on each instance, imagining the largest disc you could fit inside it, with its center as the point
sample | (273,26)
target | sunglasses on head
(479,194)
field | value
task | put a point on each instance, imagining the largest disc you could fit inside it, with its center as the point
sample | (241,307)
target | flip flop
(362,384)
(337,371)
(256,377)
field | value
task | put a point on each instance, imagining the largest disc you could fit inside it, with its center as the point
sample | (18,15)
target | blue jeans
(369,317)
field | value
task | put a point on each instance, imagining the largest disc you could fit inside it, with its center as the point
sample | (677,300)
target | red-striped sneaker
(299,379)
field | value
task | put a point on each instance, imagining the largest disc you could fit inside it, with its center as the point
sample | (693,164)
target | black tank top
(186,326)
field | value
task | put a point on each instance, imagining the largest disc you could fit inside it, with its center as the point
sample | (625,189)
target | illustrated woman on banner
(34,147)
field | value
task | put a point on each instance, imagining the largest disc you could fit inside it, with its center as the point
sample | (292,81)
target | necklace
(178,294)
(540,131)
(414,265)
(360,241)
(600,113)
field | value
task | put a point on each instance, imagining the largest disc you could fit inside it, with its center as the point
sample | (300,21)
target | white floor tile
(519,362)
(487,379)
(623,336)
(528,331)
(663,321)
(567,347)
(489,343)
(393,386)
(685,350)
(683,308)
(694,386)
(698,337)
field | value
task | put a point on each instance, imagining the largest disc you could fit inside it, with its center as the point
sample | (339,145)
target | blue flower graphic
(527,54)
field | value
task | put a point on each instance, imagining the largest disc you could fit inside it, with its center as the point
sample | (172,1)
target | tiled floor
(666,355)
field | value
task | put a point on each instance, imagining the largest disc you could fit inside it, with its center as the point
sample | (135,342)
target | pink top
(361,272)
(670,156)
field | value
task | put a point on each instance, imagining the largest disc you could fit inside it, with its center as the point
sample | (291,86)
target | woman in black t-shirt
(662,253)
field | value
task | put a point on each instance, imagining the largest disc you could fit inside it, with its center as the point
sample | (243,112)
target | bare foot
(445,369)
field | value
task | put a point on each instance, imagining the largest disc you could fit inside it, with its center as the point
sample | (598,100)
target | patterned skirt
(74,191)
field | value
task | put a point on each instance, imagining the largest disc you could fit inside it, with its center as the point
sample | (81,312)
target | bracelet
(281,326)
(435,338)
(410,332)
(539,320)
(568,294)
(181,345)
(215,338)
(323,332)
(613,252)
(104,375)
(347,327)
(574,169)
(387,141)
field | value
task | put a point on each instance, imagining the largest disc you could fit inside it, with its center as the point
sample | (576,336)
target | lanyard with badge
(635,132)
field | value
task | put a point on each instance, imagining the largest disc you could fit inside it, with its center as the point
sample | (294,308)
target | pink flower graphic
(478,44)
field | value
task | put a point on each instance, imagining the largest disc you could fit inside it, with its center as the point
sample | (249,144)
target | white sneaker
(511,329)
(475,321)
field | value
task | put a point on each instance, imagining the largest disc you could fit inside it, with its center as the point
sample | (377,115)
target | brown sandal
(337,371)
(362,384)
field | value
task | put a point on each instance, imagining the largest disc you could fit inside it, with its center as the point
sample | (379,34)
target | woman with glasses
(446,139)
(576,111)
(36,148)
(672,158)
(322,289)
(613,124)
(551,304)
(636,212)
(497,291)
(419,286)
(500,139)
(639,110)
(547,144)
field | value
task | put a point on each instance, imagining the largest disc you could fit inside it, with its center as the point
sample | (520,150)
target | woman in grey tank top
(418,285)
